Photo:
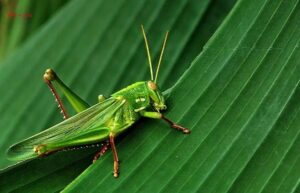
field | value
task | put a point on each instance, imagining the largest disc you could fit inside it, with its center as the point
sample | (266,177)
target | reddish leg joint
(103,149)
(43,153)
(175,126)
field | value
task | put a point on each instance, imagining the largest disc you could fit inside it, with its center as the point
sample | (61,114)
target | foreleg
(157,115)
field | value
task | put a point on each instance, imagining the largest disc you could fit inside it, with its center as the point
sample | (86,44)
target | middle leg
(115,154)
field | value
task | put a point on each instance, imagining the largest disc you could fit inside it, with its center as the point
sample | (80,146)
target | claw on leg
(175,126)
(116,169)
(180,128)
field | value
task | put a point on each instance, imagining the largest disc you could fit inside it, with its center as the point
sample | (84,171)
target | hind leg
(53,82)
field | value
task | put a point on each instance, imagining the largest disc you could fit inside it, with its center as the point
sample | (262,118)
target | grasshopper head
(157,99)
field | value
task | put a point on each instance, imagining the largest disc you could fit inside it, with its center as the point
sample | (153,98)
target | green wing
(89,126)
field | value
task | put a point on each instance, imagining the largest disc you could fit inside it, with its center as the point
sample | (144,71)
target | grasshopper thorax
(142,95)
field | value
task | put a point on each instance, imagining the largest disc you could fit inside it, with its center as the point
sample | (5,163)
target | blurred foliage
(20,19)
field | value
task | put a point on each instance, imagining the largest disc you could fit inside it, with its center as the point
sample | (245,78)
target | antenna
(148,52)
(160,57)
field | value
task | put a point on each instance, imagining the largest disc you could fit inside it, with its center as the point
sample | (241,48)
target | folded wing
(85,127)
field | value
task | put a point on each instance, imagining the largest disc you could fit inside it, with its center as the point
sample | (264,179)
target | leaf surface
(240,98)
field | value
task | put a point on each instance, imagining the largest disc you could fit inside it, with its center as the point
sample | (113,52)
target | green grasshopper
(97,124)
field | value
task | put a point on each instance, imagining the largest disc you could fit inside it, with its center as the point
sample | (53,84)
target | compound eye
(152,85)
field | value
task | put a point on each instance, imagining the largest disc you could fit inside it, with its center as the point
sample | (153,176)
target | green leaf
(105,47)
(240,97)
